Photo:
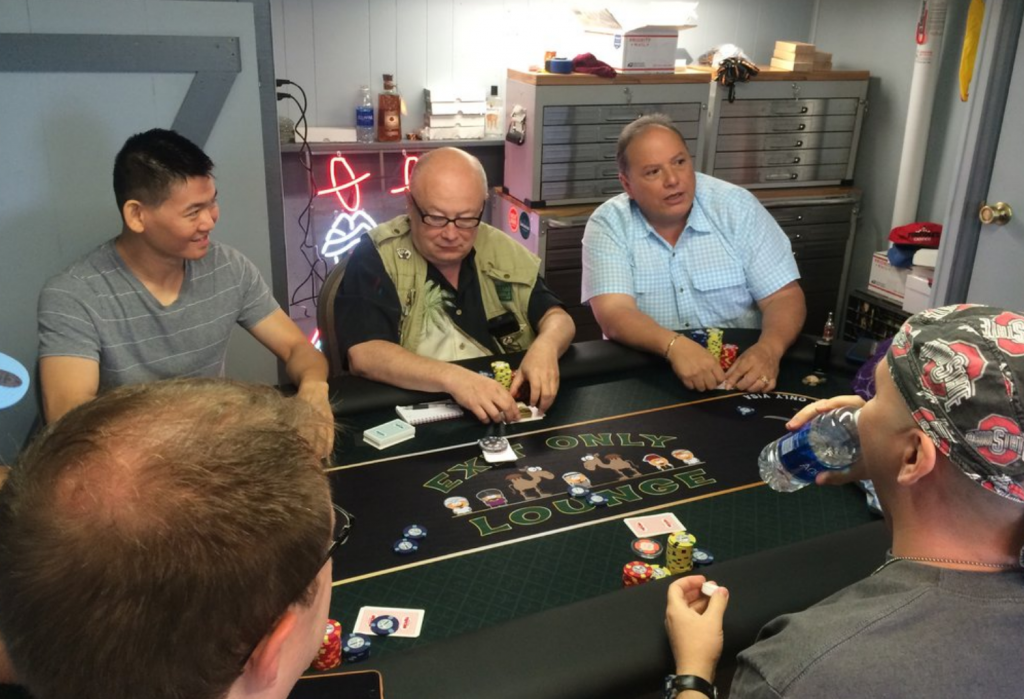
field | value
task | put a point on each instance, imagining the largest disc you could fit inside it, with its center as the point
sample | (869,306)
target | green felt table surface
(484,588)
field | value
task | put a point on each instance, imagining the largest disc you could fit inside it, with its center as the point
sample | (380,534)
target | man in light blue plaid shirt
(682,250)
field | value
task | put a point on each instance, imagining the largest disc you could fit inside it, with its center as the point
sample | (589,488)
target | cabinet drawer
(560,172)
(788,107)
(767,175)
(565,284)
(580,189)
(609,133)
(794,218)
(559,238)
(579,152)
(617,113)
(808,141)
(772,125)
(741,159)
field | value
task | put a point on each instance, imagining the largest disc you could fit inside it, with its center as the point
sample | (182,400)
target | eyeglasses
(434,221)
(343,521)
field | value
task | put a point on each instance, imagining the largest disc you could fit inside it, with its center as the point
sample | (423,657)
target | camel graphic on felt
(527,480)
(616,463)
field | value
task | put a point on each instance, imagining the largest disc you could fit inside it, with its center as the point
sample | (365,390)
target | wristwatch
(674,684)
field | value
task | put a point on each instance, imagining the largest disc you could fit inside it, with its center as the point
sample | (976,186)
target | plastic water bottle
(364,116)
(829,442)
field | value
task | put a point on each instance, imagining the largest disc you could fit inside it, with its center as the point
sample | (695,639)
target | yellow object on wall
(972,32)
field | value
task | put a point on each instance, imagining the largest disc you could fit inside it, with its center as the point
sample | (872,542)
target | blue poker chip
(702,557)
(745,410)
(597,500)
(355,647)
(384,625)
(578,491)
(415,531)
(405,547)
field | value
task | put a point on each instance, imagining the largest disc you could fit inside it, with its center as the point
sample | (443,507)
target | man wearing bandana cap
(943,441)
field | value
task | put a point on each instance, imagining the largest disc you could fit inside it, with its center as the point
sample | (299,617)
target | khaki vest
(507,273)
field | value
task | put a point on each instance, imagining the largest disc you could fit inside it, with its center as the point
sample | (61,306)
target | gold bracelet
(670,343)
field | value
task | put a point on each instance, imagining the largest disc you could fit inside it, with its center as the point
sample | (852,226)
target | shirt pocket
(656,297)
(722,289)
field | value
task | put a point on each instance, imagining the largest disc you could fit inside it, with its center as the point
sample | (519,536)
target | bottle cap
(494,90)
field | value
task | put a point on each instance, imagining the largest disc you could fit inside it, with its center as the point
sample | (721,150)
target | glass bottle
(389,111)
(493,116)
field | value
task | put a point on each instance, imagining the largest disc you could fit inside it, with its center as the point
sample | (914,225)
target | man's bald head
(452,166)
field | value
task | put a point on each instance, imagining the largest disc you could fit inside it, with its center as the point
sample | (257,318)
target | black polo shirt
(367,307)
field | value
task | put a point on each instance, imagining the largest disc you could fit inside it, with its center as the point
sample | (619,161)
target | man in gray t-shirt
(160,299)
(943,442)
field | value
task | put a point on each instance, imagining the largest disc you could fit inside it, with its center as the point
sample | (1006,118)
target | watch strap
(674,684)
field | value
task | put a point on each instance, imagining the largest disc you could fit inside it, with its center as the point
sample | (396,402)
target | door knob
(999,213)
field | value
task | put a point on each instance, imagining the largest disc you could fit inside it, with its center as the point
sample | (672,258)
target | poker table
(522,584)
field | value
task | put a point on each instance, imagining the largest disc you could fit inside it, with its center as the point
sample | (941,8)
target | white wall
(57,145)
(331,47)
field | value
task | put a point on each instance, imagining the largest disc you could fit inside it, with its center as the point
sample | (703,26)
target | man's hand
(484,397)
(856,472)
(757,369)
(539,369)
(315,393)
(694,626)
(694,365)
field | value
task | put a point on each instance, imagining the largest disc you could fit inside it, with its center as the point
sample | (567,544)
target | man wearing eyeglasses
(438,285)
(169,539)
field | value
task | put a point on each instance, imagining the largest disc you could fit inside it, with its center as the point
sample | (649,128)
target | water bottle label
(798,457)
(364,116)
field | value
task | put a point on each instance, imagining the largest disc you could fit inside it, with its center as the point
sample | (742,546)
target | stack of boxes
(909,287)
(800,57)
(450,115)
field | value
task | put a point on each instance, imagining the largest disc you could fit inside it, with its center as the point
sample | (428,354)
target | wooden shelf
(681,76)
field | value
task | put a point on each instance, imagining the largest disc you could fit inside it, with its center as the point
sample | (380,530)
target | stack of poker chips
(329,655)
(715,342)
(658,572)
(502,373)
(636,573)
(728,356)
(679,555)
(355,648)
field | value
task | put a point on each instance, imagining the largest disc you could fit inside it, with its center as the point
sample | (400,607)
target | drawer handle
(782,176)
(792,219)
(609,157)
(610,173)
(783,111)
(796,161)
(611,190)
(796,236)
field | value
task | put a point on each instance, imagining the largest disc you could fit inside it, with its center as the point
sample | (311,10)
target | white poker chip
(708,588)
(494,445)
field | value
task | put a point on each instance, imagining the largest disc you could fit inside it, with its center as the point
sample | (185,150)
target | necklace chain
(953,561)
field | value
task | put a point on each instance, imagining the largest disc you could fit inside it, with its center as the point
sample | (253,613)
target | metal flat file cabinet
(572,123)
(787,129)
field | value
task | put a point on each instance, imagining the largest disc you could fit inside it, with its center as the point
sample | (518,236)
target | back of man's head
(150,163)
(960,370)
(151,538)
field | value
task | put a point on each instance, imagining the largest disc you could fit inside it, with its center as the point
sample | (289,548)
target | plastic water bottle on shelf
(829,442)
(364,116)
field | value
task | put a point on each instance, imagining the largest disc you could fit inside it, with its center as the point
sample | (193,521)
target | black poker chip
(702,557)
(745,411)
(405,547)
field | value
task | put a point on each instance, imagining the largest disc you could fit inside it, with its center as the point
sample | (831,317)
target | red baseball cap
(923,234)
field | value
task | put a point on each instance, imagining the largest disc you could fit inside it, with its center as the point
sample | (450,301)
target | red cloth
(588,63)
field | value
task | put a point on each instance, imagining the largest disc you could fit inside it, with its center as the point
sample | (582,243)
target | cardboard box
(891,282)
(799,48)
(798,67)
(917,294)
(637,38)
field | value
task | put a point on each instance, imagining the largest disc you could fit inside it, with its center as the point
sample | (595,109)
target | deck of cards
(388,434)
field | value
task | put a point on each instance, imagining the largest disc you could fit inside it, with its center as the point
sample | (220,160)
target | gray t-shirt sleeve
(257,301)
(65,320)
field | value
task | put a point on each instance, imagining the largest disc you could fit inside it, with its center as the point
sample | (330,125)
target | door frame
(989,89)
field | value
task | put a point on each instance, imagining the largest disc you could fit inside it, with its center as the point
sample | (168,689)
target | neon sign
(345,233)
(339,189)
(410,163)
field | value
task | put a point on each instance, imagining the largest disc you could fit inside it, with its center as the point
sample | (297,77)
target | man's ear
(134,215)
(625,184)
(264,664)
(917,458)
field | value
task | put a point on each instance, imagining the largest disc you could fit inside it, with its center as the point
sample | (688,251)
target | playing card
(653,525)
(410,621)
